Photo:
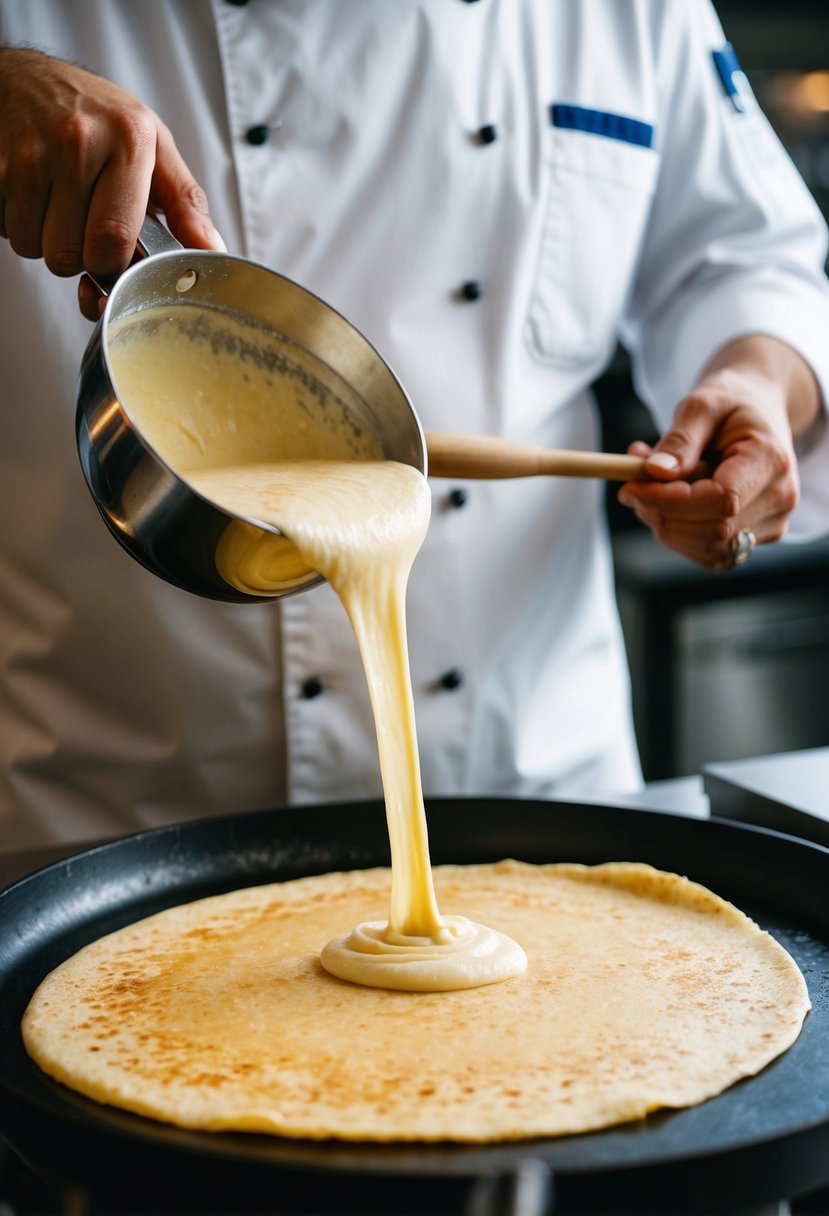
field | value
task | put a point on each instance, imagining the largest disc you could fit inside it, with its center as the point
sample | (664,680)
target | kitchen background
(736,665)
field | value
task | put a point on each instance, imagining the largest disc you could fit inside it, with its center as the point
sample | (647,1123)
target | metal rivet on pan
(186,281)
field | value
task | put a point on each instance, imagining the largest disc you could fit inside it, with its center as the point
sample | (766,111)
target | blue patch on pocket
(731,75)
(601,122)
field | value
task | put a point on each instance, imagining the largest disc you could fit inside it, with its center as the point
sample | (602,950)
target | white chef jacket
(677,222)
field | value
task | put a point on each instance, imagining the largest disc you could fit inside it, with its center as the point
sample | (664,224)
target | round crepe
(643,990)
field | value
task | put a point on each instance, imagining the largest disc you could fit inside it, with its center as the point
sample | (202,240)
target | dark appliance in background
(731,666)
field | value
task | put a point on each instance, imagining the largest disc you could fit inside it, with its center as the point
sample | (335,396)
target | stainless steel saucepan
(149,508)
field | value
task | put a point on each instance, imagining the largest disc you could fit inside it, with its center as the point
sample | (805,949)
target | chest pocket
(599,192)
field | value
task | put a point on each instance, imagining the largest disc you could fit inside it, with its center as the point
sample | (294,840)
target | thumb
(679,452)
(176,192)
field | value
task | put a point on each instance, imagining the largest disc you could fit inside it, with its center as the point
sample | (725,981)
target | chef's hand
(80,162)
(754,397)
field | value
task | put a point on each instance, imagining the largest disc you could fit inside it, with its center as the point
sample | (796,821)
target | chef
(494,193)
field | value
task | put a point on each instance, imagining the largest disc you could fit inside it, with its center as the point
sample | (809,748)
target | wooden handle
(485,456)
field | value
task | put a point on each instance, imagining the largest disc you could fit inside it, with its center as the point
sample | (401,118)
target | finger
(118,203)
(90,300)
(64,227)
(697,501)
(25,207)
(759,477)
(81,150)
(704,537)
(682,447)
(663,467)
(177,193)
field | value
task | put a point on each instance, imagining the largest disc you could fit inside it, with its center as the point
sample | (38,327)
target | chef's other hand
(80,162)
(754,397)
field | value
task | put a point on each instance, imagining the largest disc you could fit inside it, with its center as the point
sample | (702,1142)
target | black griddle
(763,1139)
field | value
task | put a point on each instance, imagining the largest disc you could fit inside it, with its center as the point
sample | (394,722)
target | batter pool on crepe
(643,991)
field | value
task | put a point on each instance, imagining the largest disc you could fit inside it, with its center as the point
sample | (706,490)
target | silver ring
(743,546)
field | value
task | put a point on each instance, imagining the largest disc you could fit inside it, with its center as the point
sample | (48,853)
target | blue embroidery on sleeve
(600,122)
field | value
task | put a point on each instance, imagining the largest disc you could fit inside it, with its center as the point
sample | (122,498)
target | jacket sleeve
(735,243)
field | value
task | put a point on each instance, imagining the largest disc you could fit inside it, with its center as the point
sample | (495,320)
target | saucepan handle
(528,1190)
(153,238)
